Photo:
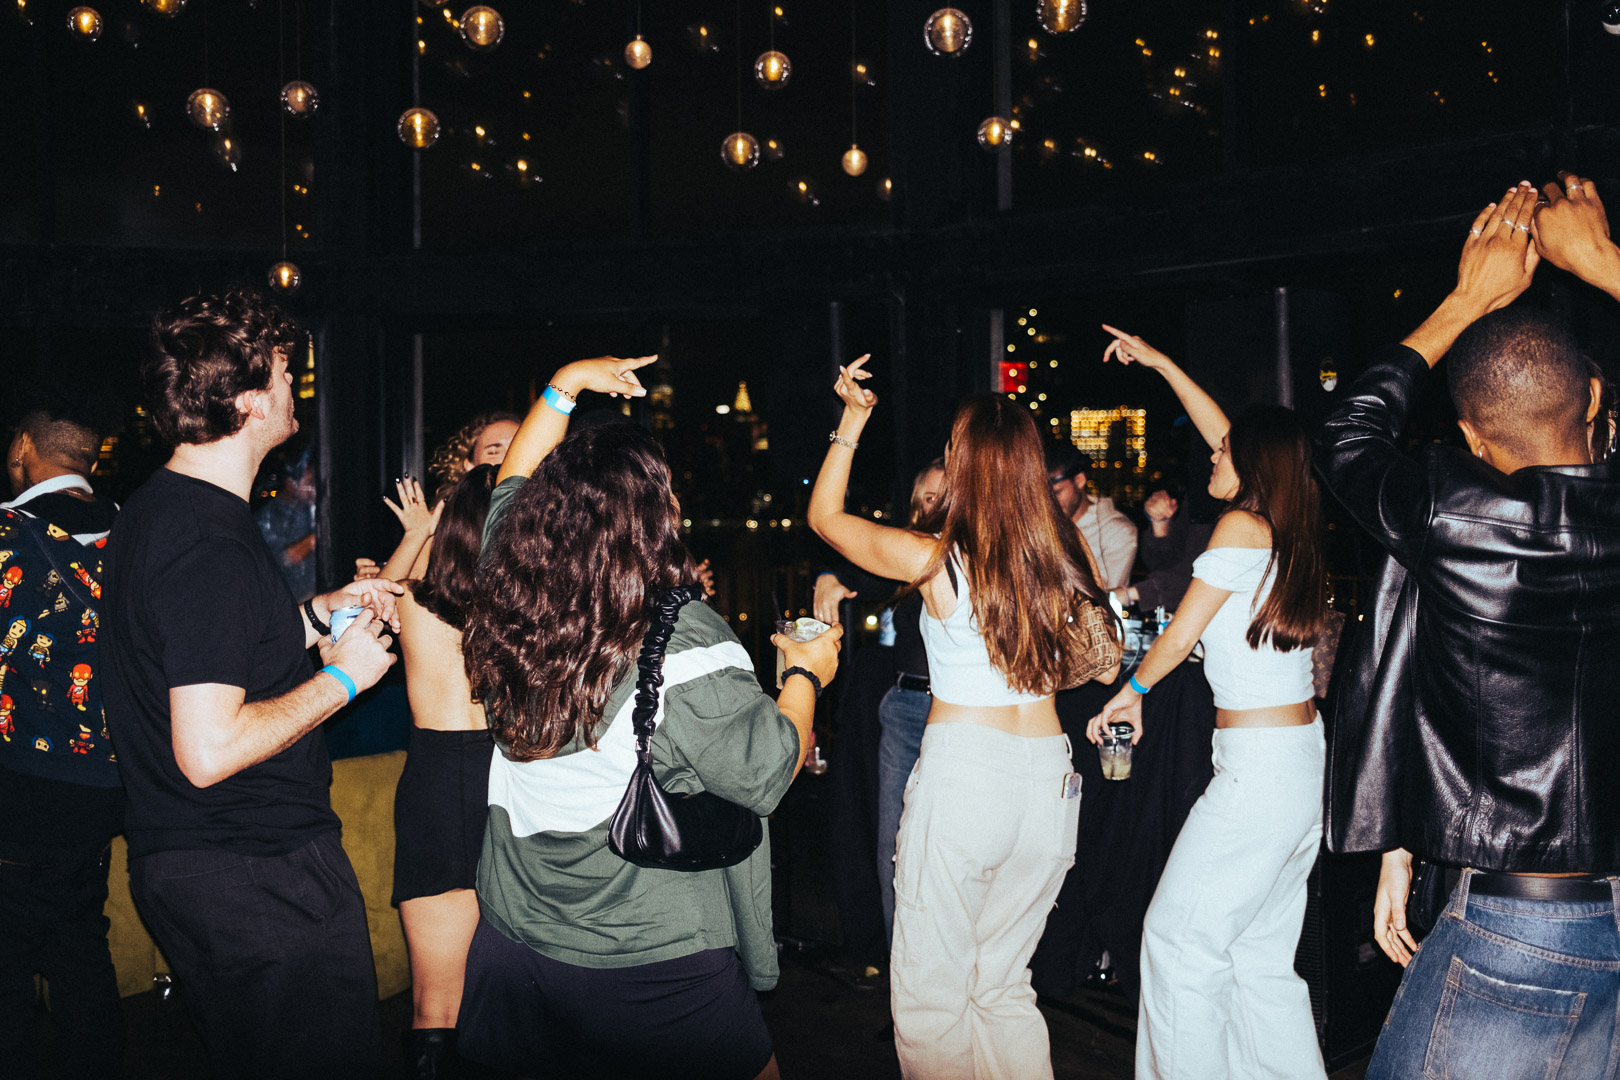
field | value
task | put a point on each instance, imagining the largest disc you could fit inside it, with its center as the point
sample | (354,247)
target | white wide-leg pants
(986,836)
(1219,994)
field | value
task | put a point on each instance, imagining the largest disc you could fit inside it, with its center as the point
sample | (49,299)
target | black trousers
(271,955)
(51,922)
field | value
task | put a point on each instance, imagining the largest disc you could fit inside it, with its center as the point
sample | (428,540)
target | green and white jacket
(546,876)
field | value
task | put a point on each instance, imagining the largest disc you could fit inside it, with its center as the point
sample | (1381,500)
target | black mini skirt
(439,812)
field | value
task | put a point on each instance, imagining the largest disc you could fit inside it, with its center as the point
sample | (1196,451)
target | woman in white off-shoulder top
(1219,994)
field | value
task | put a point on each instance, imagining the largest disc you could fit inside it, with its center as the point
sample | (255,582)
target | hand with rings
(1572,232)
(1497,263)
(415,517)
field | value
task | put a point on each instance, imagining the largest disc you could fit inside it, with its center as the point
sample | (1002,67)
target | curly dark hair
(567,585)
(205,351)
(452,570)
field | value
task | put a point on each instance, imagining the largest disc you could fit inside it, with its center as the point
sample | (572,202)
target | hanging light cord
(854,82)
(281,72)
(739,65)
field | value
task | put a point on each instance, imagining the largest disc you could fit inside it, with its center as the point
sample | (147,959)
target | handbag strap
(650,664)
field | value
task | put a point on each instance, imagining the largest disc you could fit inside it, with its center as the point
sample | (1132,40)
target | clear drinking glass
(804,629)
(1115,752)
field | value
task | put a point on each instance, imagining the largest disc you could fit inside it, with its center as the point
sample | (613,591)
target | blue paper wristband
(1138,687)
(343,677)
(556,400)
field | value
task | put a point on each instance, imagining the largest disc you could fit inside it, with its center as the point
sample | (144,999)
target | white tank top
(959,668)
(1241,677)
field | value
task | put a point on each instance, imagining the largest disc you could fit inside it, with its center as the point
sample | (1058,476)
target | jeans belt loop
(907,681)
(1459,899)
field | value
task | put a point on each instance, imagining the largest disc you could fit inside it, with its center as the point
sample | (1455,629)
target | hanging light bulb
(740,151)
(143,114)
(948,32)
(772,70)
(207,108)
(285,277)
(803,191)
(228,151)
(885,188)
(167,8)
(860,73)
(772,149)
(299,98)
(995,134)
(854,160)
(85,23)
(1062,16)
(703,37)
(482,28)
(418,128)
(638,54)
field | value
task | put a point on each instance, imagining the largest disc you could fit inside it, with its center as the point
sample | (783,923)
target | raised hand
(849,389)
(412,509)
(1130,349)
(1498,259)
(610,375)
(1572,232)
(365,569)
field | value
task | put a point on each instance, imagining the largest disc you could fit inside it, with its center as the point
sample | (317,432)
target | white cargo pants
(986,836)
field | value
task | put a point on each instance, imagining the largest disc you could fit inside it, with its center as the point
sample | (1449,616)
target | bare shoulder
(1241,529)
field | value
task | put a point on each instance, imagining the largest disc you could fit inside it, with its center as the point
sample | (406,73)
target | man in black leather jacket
(1479,728)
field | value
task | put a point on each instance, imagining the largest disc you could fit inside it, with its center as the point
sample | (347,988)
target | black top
(1480,730)
(1169,561)
(910,656)
(194,596)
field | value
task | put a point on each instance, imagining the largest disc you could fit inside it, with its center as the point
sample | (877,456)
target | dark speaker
(1351,981)
(1282,346)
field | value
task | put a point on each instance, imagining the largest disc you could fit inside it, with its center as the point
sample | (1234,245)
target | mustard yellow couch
(363,796)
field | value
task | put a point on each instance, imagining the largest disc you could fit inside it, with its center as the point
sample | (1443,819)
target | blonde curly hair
(452,459)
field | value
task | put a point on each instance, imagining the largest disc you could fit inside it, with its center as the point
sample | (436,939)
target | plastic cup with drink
(1115,751)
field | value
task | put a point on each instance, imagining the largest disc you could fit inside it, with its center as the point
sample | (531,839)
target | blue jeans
(1509,988)
(902,714)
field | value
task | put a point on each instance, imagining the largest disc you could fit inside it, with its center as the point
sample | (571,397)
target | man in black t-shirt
(63,802)
(235,862)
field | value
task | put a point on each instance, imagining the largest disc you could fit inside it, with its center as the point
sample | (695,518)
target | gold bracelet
(564,393)
(833,436)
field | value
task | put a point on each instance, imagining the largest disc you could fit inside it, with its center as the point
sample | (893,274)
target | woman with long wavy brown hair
(585,964)
(1219,994)
(1010,600)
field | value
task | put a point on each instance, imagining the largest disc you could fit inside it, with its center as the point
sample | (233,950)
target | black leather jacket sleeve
(1387,492)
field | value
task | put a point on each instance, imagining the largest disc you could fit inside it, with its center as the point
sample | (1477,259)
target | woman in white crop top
(1219,994)
(987,832)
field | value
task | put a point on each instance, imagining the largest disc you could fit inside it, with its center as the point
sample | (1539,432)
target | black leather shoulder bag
(653,828)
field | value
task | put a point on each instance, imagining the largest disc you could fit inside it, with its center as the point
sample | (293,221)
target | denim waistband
(1464,894)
